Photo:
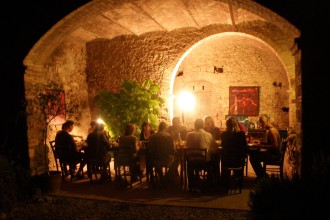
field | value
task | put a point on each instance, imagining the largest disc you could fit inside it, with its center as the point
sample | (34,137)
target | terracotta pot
(49,183)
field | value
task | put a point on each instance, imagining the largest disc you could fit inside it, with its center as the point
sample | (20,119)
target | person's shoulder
(207,134)
(273,129)
(59,133)
(225,133)
(183,128)
(153,136)
(216,128)
(242,134)
(162,134)
(191,133)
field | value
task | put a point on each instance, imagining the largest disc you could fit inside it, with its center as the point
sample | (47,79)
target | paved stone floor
(143,193)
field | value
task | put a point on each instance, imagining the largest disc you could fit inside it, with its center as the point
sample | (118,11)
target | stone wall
(246,60)
(67,68)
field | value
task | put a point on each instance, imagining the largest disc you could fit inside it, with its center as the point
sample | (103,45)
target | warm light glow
(100,121)
(186,101)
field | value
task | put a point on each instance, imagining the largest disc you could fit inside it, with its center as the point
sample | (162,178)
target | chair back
(275,165)
(194,154)
(124,155)
(56,156)
(196,157)
(61,160)
(234,161)
(52,145)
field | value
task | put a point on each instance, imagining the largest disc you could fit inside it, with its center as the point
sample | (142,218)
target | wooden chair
(148,161)
(56,156)
(275,166)
(197,167)
(232,172)
(95,167)
(125,163)
(157,173)
(246,164)
(63,164)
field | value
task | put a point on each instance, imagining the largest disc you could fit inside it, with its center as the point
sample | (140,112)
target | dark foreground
(50,207)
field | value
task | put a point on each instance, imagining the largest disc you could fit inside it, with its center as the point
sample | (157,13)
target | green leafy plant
(134,103)
(50,103)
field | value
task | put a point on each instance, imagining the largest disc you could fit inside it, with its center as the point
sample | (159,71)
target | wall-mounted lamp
(180,73)
(277,84)
(218,69)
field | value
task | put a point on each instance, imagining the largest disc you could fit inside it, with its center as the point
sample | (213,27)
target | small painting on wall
(55,106)
(244,100)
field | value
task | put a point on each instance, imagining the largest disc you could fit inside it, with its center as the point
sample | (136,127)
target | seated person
(129,139)
(161,150)
(92,127)
(234,146)
(97,149)
(209,126)
(146,131)
(271,147)
(178,133)
(198,138)
(66,148)
(105,132)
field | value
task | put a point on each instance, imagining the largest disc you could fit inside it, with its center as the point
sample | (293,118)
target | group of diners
(162,148)
(69,151)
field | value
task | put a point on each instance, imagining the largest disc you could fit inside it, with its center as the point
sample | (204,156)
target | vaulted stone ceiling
(107,19)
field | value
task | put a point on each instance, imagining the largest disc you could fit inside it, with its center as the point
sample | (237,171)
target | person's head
(98,127)
(162,126)
(145,126)
(208,122)
(199,124)
(93,124)
(129,129)
(176,121)
(232,124)
(68,125)
(101,126)
(264,120)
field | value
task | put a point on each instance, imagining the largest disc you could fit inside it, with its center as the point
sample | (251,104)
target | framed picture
(244,100)
(55,106)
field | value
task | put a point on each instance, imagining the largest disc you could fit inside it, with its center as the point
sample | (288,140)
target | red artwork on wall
(244,101)
(55,106)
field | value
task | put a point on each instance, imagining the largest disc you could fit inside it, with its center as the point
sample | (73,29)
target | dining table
(257,146)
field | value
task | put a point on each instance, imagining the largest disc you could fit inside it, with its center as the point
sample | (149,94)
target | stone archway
(105,42)
(246,61)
